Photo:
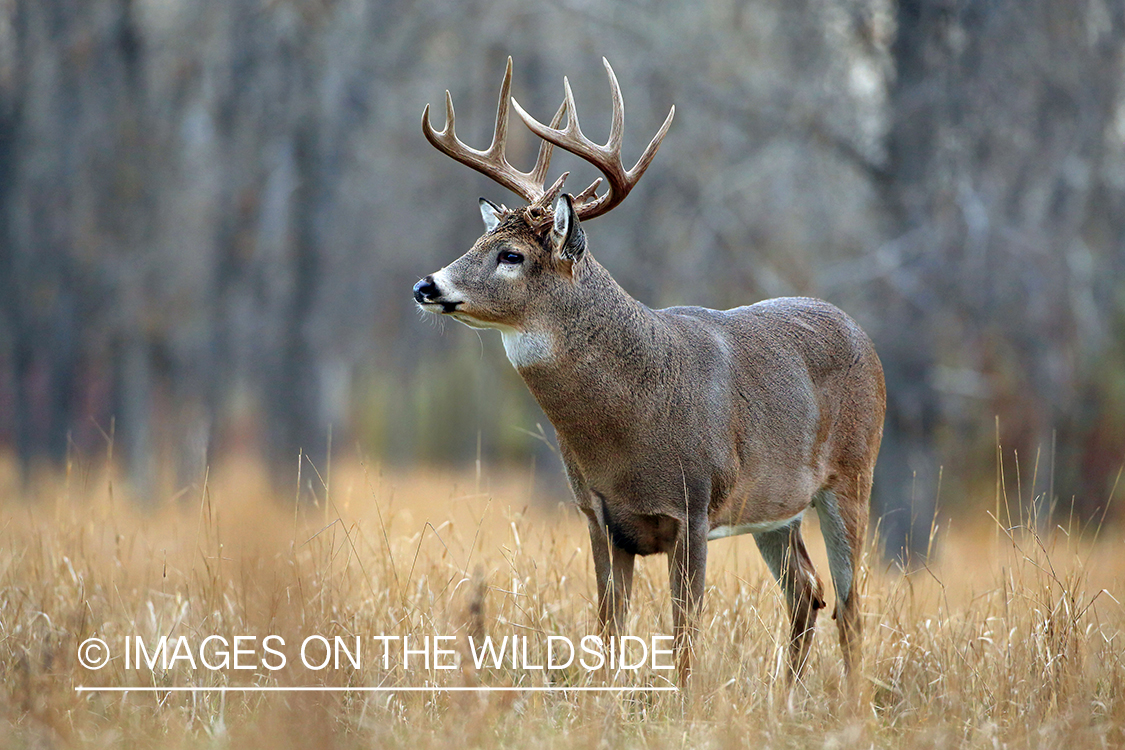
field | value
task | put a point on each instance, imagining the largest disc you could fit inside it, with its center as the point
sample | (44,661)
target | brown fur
(674,422)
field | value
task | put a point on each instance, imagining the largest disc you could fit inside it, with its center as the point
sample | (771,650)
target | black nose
(426,290)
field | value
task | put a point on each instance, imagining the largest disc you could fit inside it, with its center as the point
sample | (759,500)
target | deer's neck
(600,352)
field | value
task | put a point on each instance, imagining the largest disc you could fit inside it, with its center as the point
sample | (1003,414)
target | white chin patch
(469,321)
(525,348)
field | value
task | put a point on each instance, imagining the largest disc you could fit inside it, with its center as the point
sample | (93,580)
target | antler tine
(650,150)
(589,192)
(543,161)
(617,121)
(500,132)
(607,158)
(493,161)
(440,139)
(552,192)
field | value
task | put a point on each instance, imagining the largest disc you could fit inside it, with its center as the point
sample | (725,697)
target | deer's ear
(567,238)
(490,212)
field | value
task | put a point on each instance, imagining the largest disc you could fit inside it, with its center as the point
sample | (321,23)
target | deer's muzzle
(427,293)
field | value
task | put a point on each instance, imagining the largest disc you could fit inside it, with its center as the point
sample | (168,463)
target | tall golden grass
(1013,637)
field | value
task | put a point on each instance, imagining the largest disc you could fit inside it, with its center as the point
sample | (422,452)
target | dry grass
(1013,640)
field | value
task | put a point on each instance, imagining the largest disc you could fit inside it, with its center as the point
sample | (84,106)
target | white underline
(331,689)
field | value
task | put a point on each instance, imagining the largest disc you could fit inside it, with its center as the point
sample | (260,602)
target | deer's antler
(529,185)
(607,158)
(493,161)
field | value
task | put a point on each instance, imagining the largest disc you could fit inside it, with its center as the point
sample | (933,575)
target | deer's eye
(510,257)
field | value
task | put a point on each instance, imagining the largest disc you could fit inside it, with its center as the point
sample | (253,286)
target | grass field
(1013,637)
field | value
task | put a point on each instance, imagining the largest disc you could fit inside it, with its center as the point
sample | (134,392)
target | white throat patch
(525,348)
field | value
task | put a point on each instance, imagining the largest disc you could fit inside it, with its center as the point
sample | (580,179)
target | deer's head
(520,270)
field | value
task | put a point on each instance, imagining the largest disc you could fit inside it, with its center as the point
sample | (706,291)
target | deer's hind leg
(843,515)
(785,554)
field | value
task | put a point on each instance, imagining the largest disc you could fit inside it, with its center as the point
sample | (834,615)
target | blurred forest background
(212,212)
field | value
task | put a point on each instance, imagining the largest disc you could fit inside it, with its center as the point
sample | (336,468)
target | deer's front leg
(613,567)
(687,566)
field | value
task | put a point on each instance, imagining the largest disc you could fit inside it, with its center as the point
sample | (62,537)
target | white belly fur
(721,532)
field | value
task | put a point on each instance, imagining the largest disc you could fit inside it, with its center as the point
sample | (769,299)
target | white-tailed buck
(677,426)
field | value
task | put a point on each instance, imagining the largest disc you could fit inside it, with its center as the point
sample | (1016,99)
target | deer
(675,426)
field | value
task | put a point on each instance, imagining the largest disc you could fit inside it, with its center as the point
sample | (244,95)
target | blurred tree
(1004,187)
(211,214)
